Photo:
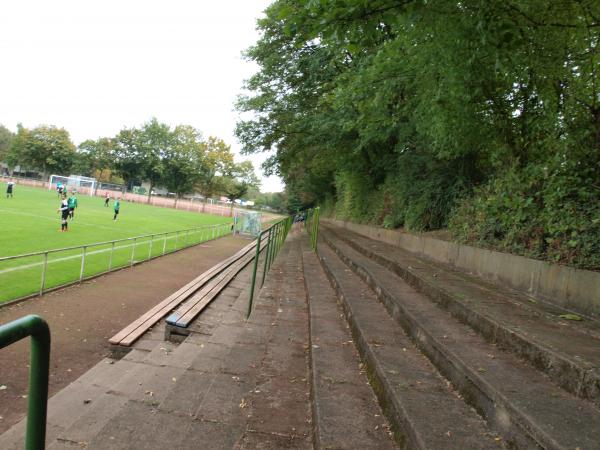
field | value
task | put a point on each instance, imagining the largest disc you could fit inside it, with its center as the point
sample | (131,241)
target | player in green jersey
(117,206)
(72,202)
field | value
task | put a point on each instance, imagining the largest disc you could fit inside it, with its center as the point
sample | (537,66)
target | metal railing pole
(82,263)
(165,244)
(266,257)
(110,258)
(270,252)
(39,367)
(316,233)
(132,252)
(252,285)
(176,240)
(43,284)
(150,251)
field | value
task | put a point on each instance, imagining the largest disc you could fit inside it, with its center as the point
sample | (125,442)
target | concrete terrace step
(345,410)
(519,402)
(568,352)
(424,411)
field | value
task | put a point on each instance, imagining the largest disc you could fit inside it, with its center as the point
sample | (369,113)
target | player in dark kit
(64,210)
(9,189)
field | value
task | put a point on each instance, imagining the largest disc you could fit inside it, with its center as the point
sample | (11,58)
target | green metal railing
(275,239)
(312,226)
(39,366)
(35,273)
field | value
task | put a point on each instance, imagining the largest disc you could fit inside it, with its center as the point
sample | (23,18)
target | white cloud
(94,67)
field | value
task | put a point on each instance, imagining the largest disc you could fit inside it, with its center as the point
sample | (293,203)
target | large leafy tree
(238,180)
(393,112)
(6,138)
(184,162)
(139,152)
(218,162)
(47,149)
(96,157)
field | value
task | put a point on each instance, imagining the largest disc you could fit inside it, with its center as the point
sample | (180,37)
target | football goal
(247,223)
(77,183)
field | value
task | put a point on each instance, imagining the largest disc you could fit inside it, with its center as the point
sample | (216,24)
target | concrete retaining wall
(574,289)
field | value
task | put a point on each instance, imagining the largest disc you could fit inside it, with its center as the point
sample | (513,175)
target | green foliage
(45,148)
(183,161)
(546,211)
(394,113)
(6,137)
(218,162)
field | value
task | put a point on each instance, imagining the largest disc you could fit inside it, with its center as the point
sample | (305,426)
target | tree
(6,138)
(153,141)
(396,113)
(138,153)
(184,161)
(128,162)
(238,180)
(97,157)
(218,162)
(45,148)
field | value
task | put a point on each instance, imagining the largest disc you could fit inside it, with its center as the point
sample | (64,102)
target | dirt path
(83,317)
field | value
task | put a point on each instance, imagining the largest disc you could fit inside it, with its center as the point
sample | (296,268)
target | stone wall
(574,289)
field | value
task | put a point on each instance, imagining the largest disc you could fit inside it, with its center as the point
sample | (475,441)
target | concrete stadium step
(567,351)
(424,411)
(345,409)
(519,402)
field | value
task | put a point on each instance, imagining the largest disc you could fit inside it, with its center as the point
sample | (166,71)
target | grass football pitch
(29,222)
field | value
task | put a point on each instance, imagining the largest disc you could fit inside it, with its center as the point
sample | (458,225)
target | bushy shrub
(548,211)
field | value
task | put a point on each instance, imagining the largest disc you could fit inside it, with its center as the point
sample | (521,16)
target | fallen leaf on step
(571,317)
(243,404)
(87,400)
(3,387)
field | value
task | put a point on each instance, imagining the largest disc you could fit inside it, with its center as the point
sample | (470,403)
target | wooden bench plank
(195,304)
(132,332)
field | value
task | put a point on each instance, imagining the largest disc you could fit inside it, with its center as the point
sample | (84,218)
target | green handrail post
(272,249)
(266,257)
(37,328)
(254,274)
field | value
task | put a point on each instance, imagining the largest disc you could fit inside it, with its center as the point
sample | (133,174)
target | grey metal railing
(93,259)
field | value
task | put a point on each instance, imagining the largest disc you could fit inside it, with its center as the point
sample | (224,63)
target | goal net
(247,223)
(73,183)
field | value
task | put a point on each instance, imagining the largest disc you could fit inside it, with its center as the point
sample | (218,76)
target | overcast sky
(94,67)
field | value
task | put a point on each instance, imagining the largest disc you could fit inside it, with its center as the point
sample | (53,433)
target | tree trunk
(596,116)
(150,191)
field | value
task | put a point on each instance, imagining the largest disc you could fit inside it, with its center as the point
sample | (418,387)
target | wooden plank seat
(195,304)
(128,335)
